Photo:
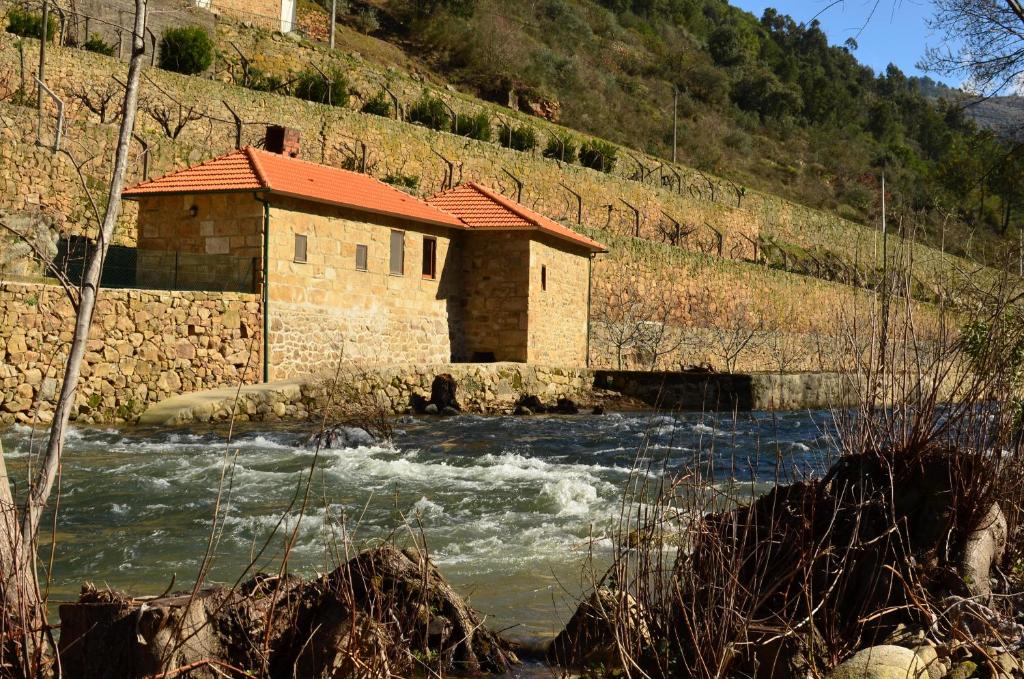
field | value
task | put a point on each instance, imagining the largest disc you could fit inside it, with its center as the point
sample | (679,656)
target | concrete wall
(325,310)
(145,346)
(558,311)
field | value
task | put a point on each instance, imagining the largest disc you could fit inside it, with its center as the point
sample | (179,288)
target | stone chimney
(283,140)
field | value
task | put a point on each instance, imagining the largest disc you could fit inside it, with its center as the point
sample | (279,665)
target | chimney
(283,140)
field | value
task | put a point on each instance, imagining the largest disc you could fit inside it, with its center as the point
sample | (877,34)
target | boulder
(531,403)
(443,392)
(882,662)
(566,406)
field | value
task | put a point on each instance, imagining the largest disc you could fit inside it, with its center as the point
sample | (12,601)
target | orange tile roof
(481,208)
(252,169)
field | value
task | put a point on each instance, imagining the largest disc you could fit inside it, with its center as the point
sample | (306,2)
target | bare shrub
(885,542)
(638,323)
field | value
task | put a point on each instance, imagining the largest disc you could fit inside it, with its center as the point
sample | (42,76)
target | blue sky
(897,32)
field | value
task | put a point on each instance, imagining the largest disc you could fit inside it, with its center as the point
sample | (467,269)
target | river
(510,507)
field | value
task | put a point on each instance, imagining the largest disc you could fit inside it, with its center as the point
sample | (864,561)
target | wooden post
(334,19)
(42,71)
(675,119)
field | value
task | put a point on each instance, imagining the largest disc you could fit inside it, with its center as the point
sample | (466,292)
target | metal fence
(127,267)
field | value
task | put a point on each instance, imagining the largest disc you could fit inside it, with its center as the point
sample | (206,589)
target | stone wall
(496,278)
(325,310)
(199,242)
(489,388)
(559,302)
(145,346)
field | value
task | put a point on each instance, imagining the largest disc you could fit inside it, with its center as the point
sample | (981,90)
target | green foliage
(261,81)
(475,127)
(561,147)
(96,44)
(732,45)
(30,24)
(598,155)
(518,137)
(312,85)
(186,49)
(378,105)
(430,112)
(403,181)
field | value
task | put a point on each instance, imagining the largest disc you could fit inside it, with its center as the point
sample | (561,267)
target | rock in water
(567,406)
(340,437)
(442,392)
(531,403)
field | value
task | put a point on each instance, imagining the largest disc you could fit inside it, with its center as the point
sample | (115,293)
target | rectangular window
(300,248)
(361,257)
(397,253)
(543,277)
(429,257)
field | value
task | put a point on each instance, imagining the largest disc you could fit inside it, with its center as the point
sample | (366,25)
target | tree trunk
(19,569)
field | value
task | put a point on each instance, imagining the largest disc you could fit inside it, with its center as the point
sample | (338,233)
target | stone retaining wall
(145,346)
(488,388)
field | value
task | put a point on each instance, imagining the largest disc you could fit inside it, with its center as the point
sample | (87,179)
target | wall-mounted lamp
(193,211)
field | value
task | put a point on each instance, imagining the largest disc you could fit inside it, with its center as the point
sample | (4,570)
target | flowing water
(510,507)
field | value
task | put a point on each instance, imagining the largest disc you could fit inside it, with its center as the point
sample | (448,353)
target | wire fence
(127,267)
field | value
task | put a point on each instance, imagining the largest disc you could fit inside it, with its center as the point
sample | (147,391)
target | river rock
(531,403)
(882,662)
(443,392)
(567,406)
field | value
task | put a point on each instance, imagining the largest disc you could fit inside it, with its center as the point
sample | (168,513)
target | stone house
(350,268)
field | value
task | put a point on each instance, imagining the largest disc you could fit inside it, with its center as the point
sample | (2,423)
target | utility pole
(334,19)
(44,32)
(675,119)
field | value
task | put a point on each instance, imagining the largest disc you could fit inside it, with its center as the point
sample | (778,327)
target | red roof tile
(481,208)
(251,169)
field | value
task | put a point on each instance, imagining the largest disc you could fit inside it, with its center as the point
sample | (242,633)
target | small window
(429,257)
(300,248)
(543,277)
(397,253)
(361,257)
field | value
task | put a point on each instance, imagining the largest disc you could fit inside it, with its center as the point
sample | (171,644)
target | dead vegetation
(912,536)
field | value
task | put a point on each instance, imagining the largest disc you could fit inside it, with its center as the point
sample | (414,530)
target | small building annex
(350,268)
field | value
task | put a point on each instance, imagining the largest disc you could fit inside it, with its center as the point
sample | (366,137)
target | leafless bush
(104,101)
(709,581)
(733,333)
(638,323)
(172,117)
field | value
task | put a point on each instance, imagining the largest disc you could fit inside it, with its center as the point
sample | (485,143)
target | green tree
(186,49)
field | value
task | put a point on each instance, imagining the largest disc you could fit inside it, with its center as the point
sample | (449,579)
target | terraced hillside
(718,252)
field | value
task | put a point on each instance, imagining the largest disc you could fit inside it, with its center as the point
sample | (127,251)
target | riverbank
(496,388)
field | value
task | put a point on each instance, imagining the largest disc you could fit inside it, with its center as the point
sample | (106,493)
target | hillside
(762,100)
(720,254)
